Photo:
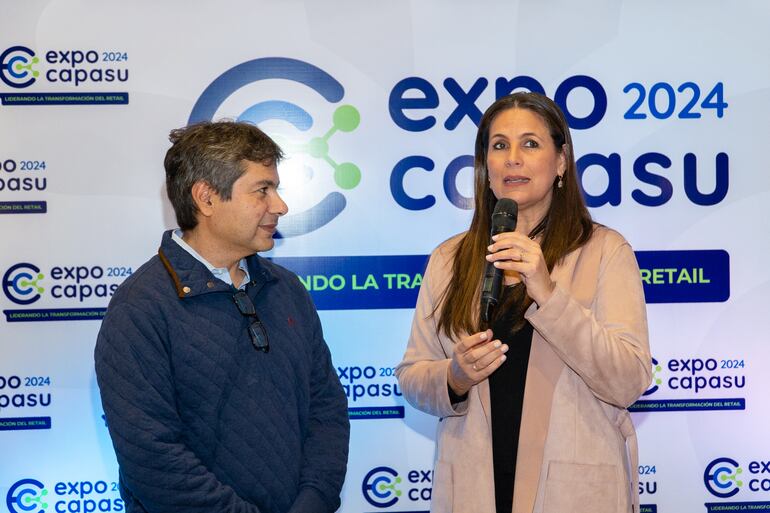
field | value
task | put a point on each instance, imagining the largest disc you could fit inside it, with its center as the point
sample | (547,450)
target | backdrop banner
(376,105)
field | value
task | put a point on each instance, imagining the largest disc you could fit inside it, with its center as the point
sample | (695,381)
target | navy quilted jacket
(200,420)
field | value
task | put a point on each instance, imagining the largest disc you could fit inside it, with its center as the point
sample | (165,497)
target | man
(217,385)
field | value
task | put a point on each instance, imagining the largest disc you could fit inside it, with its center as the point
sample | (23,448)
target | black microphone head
(504,217)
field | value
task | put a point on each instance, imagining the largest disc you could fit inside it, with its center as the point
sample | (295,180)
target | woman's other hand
(475,357)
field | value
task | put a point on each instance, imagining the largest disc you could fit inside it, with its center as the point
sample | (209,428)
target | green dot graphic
(317,147)
(346,118)
(347,175)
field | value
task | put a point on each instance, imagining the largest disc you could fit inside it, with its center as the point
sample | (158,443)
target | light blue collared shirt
(219,272)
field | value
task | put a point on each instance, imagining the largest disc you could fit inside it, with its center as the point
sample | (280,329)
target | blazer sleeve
(156,467)
(607,344)
(422,374)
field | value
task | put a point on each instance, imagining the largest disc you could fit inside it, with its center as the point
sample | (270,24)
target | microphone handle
(504,219)
(490,291)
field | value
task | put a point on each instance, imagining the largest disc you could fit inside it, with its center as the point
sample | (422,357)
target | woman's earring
(560,183)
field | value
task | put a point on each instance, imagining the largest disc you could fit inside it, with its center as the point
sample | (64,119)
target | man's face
(245,224)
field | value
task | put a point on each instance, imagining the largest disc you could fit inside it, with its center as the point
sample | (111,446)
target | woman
(532,410)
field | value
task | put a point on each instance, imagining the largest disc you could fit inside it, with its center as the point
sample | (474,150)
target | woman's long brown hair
(566,226)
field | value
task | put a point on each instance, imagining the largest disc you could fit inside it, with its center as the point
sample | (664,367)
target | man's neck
(214,253)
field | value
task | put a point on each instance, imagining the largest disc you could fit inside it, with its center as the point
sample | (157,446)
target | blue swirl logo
(25,496)
(721,477)
(380,487)
(17,67)
(346,118)
(21,283)
(656,380)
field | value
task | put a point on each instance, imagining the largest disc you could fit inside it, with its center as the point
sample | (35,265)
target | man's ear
(203,197)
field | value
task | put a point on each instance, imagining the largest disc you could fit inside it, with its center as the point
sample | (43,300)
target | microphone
(503,220)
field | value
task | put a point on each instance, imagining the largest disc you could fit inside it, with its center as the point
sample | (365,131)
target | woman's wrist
(455,387)
(545,295)
(454,397)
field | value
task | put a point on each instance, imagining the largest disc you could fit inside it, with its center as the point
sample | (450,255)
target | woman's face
(522,160)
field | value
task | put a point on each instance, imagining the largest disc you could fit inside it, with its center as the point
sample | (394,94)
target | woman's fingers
(496,352)
(484,354)
(475,357)
(469,342)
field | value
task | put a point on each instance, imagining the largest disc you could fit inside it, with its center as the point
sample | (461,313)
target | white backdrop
(668,103)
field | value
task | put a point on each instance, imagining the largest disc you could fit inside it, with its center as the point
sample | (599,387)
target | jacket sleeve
(607,344)
(134,376)
(422,373)
(325,447)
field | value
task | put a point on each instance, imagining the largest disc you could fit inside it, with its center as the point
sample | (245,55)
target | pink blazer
(589,361)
